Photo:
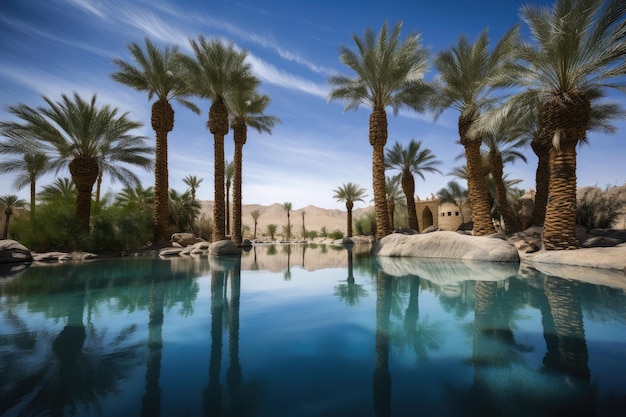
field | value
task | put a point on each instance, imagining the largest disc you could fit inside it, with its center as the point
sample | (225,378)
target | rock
(224,247)
(600,242)
(601,258)
(430,229)
(167,252)
(246,243)
(465,227)
(184,239)
(406,231)
(528,241)
(12,251)
(449,245)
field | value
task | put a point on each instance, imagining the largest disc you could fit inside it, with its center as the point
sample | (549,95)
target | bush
(365,225)
(599,209)
(336,234)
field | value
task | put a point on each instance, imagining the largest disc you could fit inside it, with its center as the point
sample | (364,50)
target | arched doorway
(427,218)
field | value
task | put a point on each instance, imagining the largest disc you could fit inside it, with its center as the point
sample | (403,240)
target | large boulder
(185,239)
(448,245)
(224,247)
(12,251)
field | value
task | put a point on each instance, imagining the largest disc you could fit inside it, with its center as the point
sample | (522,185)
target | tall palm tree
(453,193)
(576,55)
(229,171)
(389,73)
(8,203)
(247,109)
(29,164)
(255,216)
(157,72)
(193,183)
(466,71)
(77,133)
(395,197)
(215,72)
(288,206)
(504,145)
(410,161)
(349,193)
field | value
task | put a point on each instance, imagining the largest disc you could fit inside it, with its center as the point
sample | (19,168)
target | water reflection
(434,338)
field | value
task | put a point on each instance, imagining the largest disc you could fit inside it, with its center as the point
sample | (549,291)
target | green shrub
(365,225)
(599,209)
(336,234)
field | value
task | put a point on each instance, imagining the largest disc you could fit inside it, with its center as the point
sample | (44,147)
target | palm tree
(136,198)
(349,193)
(77,133)
(156,71)
(389,73)
(247,109)
(576,54)
(61,189)
(453,193)
(193,183)
(395,197)
(29,163)
(229,171)
(255,216)
(9,202)
(183,210)
(409,161)
(466,71)
(287,206)
(271,229)
(215,72)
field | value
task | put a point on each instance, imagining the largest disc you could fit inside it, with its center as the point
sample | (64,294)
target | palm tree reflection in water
(382,377)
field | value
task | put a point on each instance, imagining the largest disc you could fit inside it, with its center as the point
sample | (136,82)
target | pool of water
(308,330)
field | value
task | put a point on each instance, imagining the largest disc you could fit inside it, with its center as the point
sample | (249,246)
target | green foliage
(310,234)
(366,224)
(599,209)
(271,230)
(336,234)
(204,227)
(323,232)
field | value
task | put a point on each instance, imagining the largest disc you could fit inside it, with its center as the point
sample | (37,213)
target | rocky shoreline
(601,259)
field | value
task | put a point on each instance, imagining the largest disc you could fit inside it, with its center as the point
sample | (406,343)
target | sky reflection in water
(308,330)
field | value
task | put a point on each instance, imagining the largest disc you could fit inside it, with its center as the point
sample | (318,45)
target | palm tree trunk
(511,222)
(7,217)
(568,118)
(408,186)
(32,197)
(84,174)
(98,186)
(476,184)
(478,194)
(391,208)
(162,123)
(378,140)
(240,136)
(233,374)
(558,229)
(349,206)
(213,392)
(541,148)
(218,125)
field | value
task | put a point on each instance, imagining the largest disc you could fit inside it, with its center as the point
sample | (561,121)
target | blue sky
(52,47)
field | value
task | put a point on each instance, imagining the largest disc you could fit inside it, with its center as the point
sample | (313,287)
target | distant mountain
(314,217)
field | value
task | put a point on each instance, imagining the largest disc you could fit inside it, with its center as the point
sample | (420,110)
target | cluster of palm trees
(559,78)
(93,140)
(556,81)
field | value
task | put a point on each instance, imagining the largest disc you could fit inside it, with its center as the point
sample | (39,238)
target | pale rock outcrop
(12,251)
(167,252)
(224,247)
(448,245)
(63,256)
(185,239)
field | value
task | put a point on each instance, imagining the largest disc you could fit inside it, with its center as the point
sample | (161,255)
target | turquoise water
(308,330)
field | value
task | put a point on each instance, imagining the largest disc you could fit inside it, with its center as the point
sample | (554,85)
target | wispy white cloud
(152,25)
(30,30)
(271,74)
(89,7)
